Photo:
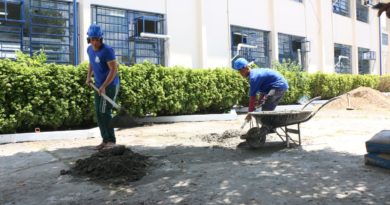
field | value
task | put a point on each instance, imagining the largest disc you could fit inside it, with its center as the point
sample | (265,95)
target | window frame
(362,12)
(130,48)
(363,63)
(342,7)
(343,50)
(260,38)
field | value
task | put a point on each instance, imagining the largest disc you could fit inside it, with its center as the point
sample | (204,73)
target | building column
(274,55)
(354,46)
(85,22)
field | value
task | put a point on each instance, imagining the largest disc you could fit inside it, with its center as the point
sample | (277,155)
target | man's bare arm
(89,74)
(113,66)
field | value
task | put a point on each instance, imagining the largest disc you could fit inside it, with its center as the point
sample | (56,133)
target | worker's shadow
(266,148)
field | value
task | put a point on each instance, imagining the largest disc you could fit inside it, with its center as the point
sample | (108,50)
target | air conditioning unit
(369,55)
(367,3)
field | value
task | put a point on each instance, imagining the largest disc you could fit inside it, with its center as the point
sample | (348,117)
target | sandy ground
(187,169)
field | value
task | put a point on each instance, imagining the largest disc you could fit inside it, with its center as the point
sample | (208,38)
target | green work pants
(103,113)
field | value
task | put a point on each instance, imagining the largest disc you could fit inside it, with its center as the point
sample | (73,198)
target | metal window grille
(341,7)
(114,23)
(361,12)
(385,39)
(33,25)
(260,54)
(11,27)
(122,30)
(147,49)
(363,64)
(289,47)
(342,58)
(51,29)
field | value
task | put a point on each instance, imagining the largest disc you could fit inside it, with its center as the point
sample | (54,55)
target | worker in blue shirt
(269,83)
(103,66)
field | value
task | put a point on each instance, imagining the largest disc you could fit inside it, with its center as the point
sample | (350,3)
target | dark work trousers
(272,101)
(103,113)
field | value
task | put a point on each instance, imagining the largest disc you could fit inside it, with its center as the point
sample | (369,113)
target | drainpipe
(380,47)
(22,24)
(75,34)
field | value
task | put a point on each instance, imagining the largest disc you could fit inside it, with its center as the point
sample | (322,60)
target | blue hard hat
(240,63)
(95,31)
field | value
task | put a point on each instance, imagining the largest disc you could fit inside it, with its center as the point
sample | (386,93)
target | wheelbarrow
(277,122)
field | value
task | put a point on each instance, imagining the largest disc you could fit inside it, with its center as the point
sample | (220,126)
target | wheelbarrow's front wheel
(256,136)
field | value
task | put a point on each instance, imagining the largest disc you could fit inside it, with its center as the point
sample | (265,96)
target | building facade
(341,36)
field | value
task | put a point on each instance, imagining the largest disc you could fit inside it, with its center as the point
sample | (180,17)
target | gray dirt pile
(118,165)
(221,138)
(362,98)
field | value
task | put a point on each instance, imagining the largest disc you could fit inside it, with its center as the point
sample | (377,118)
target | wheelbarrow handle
(105,97)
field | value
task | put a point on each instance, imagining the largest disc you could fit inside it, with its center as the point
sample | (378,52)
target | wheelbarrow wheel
(256,136)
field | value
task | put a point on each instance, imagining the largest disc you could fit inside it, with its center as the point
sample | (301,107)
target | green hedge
(43,95)
(50,96)
(331,85)
(148,88)
(53,96)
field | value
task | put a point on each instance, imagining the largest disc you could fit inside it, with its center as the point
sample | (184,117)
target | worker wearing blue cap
(269,83)
(103,66)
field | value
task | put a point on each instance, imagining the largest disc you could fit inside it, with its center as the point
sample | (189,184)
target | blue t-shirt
(264,79)
(98,60)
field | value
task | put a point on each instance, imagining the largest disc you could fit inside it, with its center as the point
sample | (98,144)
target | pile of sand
(362,98)
(118,165)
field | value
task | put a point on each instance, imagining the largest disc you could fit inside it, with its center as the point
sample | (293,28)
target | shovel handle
(106,97)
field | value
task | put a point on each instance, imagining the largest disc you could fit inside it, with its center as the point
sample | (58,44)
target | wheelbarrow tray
(281,118)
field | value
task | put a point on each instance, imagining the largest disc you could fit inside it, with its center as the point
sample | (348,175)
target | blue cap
(240,63)
(95,31)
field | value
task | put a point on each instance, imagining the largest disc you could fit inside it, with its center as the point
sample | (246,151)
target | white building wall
(200,29)
(290,17)
(215,33)
(183,26)
(251,14)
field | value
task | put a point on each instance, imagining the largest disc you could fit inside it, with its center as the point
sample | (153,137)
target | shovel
(257,107)
(121,120)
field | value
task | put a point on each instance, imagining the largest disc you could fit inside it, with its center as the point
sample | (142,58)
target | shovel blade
(124,121)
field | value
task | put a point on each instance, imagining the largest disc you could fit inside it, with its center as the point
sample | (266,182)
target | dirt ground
(196,163)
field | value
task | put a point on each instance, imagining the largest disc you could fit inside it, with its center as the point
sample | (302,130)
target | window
(385,39)
(40,24)
(145,25)
(122,29)
(239,38)
(114,23)
(341,7)
(364,64)
(11,28)
(291,48)
(260,54)
(146,49)
(361,12)
(342,58)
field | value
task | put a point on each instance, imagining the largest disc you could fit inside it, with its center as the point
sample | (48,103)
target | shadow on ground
(200,175)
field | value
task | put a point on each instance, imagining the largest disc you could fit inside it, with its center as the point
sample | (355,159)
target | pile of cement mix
(214,137)
(362,98)
(118,165)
